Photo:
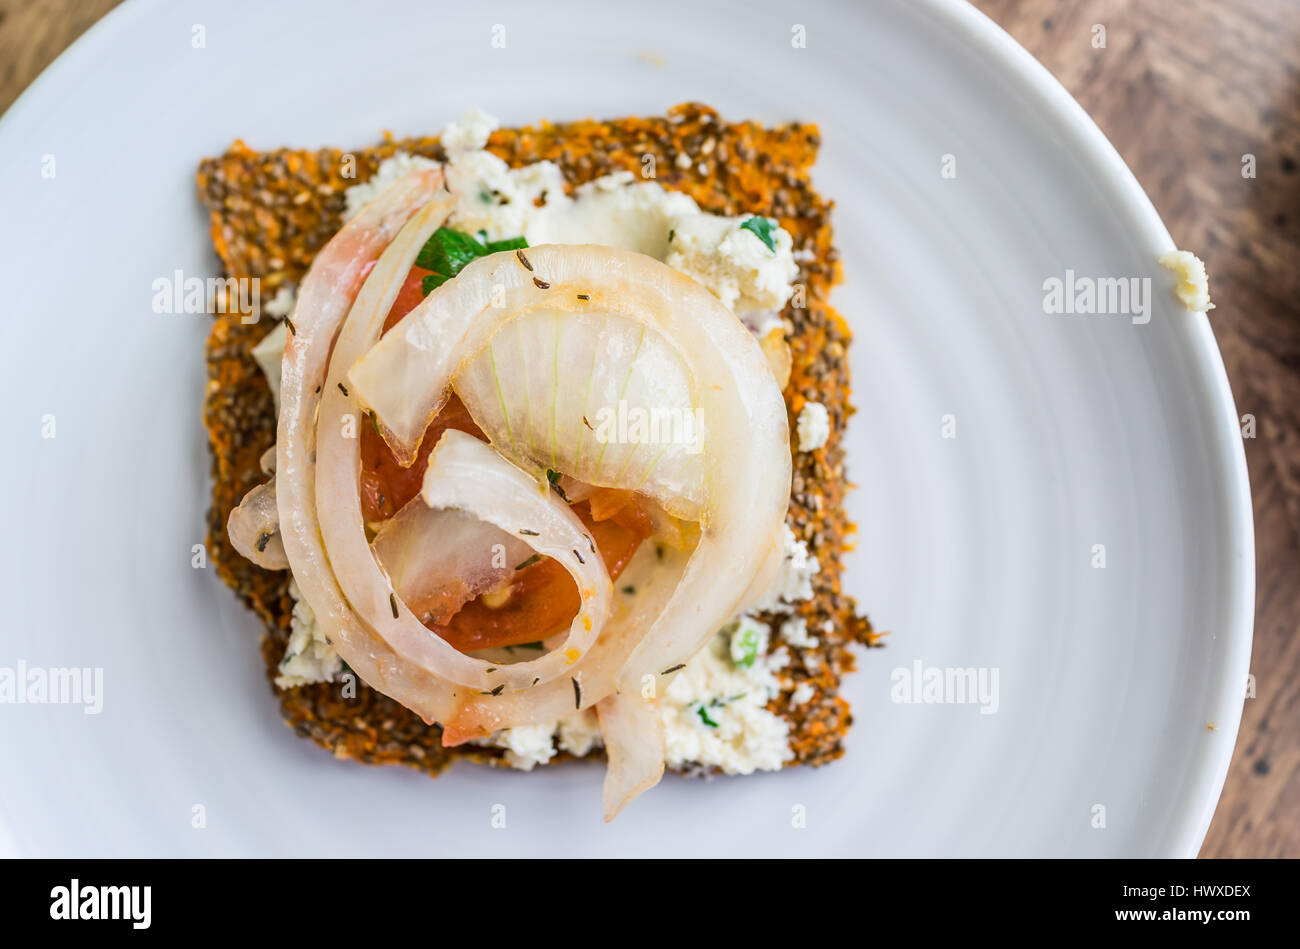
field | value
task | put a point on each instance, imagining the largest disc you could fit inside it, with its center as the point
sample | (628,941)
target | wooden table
(1184,90)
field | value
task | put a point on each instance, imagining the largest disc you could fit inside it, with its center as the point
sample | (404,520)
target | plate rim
(964,21)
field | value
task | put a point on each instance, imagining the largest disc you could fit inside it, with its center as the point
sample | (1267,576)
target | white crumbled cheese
(813,425)
(1193,287)
(802,693)
(716,686)
(744,737)
(470,134)
(308,657)
(281,305)
(579,733)
(733,262)
(795,632)
(527,745)
(530,745)
(359,195)
(495,202)
(794,580)
(269,354)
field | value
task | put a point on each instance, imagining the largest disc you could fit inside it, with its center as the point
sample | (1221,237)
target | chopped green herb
(577,694)
(762,228)
(392,601)
(680,665)
(448,251)
(747,641)
(510,243)
(262,541)
(629,590)
(529,562)
(554,478)
(704,717)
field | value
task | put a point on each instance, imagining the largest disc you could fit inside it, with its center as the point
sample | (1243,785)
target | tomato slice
(541,599)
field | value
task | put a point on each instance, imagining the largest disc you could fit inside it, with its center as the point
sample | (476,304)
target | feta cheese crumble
(496,202)
(308,657)
(269,354)
(795,632)
(715,713)
(794,580)
(732,262)
(1193,287)
(813,426)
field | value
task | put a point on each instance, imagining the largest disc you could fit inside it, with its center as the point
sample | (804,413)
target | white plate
(976,551)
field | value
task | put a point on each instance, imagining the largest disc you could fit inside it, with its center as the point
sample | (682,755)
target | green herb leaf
(554,478)
(704,717)
(762,228)
(529,562)
(510,243)
(629,590)
(448,250)
(746,643)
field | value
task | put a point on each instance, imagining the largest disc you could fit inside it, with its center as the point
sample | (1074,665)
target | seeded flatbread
(272,211)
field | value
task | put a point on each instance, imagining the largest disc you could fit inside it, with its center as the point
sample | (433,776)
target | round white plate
(1119,688)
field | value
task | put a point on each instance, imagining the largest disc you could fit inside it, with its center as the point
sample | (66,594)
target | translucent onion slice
(490,488)
(407,376)
(634,745)
(254,528)
(654,572)
(600,397)
(324,300)
(469,475)
(441,559)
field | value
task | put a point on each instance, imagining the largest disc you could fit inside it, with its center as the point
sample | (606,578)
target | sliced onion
(324,300)
(634,745)
(443,558)
(254,528)
(407,377)
(655,574)
(463,473)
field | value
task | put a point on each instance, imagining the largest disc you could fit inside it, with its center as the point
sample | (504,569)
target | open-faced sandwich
(542,453)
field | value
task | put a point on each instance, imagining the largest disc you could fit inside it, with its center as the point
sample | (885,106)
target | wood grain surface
(1184,89)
